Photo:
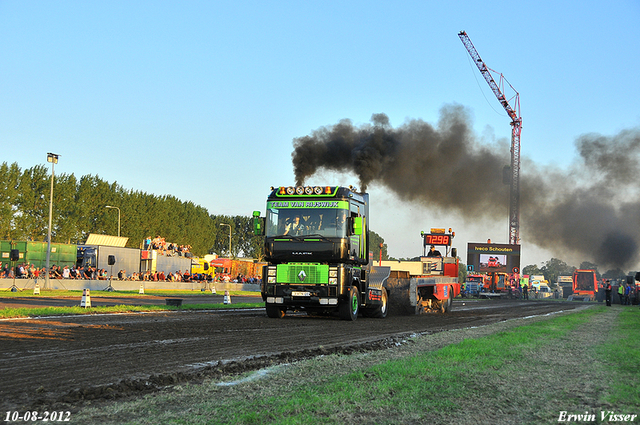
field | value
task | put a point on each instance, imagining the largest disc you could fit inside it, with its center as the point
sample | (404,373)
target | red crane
(516,129)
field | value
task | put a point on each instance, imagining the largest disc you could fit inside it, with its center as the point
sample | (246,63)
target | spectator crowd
(166,248)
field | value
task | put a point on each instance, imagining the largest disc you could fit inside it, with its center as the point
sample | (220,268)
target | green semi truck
(317,252)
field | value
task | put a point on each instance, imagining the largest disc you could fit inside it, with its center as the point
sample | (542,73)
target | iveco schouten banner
(493,257)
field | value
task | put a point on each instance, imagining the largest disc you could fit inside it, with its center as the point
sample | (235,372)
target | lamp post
(53,159)
(225,224)
(116,208)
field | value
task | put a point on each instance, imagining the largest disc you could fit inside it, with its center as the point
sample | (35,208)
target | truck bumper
(303,296)
(312,301)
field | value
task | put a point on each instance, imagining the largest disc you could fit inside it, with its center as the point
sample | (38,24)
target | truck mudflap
(419,295)
(378,275)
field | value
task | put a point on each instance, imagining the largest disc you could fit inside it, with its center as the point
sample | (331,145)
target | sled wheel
(448,303)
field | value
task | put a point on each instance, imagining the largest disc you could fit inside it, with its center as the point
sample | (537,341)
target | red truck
(585,286)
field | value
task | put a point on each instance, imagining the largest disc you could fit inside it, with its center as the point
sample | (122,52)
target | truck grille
(302,274)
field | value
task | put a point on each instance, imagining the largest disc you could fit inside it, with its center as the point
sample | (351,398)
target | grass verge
(503,373)
(7,313)
(115,294)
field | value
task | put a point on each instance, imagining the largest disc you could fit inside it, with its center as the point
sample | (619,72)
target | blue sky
(202,100)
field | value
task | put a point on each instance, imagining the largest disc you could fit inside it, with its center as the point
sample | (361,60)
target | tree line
(555,267)
(79,208)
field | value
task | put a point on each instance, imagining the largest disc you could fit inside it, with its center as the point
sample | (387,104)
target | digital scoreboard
(438,237)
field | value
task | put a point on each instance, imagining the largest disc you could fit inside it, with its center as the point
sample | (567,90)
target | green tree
(614,274)
(462,272)
(79,209)
(531,269)
(66,213)
(32,205)
(221,242)
(375,242)
(9,179)
(554,268)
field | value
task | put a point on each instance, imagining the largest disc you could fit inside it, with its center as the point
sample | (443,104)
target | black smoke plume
(591,209)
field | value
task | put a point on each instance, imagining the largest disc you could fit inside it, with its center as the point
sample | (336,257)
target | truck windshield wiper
(317,235)
(295,238)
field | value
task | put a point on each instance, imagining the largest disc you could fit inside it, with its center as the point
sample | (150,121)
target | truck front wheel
(274,312)
(350,307)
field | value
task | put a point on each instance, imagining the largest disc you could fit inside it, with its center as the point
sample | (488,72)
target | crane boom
(516,129)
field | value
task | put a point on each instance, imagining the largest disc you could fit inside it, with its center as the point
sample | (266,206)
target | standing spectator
(621,293)
(66,273)
(627,294)
(607,293)
(525,292)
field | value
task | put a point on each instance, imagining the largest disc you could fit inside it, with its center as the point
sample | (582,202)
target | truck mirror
(454,252)
(357,225)
(258,226)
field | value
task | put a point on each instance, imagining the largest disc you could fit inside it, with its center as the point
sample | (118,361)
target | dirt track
(60,362)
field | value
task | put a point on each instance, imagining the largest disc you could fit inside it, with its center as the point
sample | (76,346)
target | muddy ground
(62,362)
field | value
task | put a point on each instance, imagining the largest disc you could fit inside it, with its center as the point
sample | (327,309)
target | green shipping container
(35,256)
(33,247)
(36,253)
(20,246)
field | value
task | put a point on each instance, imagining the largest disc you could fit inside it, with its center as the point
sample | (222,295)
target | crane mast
(516,129)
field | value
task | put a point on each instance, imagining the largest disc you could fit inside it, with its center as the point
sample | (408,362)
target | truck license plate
(300,294)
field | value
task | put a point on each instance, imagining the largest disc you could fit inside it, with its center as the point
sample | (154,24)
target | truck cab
(474,284)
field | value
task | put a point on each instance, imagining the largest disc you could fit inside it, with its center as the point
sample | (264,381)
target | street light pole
(225,224)
(53,159)
(109,206)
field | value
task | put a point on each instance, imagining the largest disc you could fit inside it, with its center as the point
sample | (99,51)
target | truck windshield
(325,222)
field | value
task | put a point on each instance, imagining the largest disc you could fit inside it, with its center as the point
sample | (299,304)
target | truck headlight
(333,276)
